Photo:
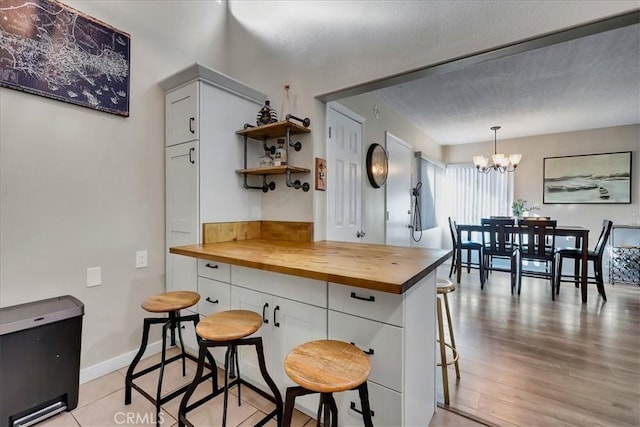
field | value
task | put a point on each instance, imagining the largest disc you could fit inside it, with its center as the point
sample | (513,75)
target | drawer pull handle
(264,316)
(353,408)
(212,302)
(370,352)
(191,120)
(275,321)
(212,265)
(370,299)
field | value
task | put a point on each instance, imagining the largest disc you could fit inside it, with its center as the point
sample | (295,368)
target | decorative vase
(266,114)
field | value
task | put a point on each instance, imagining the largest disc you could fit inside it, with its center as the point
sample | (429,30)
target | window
(431,175)
(471,195)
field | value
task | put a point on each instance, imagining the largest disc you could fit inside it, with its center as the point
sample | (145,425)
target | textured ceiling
(587,83)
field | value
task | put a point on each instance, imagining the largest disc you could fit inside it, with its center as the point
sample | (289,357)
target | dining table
(581,235)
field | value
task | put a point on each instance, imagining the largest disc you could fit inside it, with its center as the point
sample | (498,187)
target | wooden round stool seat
(444,286)
(327,366)
(229,325)
(170,301)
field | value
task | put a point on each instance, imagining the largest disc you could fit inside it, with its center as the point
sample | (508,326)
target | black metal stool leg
(175,317)
(165,328)
(325,398)
(226,384)
(363,390)
(267,378)
(334,411)
(136,359)
(192,388)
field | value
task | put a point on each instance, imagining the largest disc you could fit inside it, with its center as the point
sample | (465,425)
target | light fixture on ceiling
(501,162)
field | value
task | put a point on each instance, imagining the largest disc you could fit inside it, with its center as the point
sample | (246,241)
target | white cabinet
(202,109)
(182,225)
(182,118)
(286,324)
(215,294)
(398,334)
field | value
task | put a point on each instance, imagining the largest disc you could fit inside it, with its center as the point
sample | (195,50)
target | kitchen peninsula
(380,298)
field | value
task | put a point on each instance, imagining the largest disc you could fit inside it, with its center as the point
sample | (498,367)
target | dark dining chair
(498,242)
(594,256)
(468,246)
(537,242)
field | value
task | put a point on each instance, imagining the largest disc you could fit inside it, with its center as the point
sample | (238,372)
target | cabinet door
(182,226)
(246,299)
(295,323)
(181,115)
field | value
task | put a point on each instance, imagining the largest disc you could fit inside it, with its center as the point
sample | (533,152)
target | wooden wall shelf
(286,129)
(273,170)
(273,130)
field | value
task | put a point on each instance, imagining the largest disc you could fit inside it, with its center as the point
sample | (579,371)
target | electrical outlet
(94,276)
(141,259)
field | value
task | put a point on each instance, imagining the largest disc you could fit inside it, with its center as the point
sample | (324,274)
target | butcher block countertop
(392,269)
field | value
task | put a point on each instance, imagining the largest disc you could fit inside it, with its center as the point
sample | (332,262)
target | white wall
(80,188)
(528,176)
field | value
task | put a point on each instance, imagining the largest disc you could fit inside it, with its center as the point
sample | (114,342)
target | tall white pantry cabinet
(203,110)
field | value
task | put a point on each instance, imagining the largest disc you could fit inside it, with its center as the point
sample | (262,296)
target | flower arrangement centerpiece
(519,207)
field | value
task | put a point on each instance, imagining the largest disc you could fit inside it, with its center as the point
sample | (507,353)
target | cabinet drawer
(385,404)
(382,340)
(214,296)
(295,288)
(214,270)
(381,306)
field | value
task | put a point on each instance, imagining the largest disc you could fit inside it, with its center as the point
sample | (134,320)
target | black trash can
(39,359)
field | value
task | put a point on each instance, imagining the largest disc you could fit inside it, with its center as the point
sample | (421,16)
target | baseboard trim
(103,368)
(466,414)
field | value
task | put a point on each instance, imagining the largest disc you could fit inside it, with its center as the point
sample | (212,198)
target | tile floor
(101,404)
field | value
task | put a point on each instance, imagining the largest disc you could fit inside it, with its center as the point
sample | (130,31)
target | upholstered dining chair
(468,246)
(537,242)
(594,256)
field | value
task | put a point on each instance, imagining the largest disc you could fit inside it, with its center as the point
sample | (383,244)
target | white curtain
(471,195)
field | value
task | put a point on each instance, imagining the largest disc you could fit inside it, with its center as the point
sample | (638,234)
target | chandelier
(501,162)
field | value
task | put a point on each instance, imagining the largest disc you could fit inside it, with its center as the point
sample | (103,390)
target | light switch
(94,276)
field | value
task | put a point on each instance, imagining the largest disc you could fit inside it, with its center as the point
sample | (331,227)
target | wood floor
(531,361)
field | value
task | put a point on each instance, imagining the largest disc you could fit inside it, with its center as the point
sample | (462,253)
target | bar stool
(325,367)
(443,287)
(229,328)
(170,303)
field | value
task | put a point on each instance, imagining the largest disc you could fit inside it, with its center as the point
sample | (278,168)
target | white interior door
(398,191)
(344,171)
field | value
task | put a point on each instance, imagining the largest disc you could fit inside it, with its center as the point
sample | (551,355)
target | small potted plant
(519,207)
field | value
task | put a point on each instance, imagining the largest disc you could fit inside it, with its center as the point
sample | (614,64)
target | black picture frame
(602,178)
(55,51)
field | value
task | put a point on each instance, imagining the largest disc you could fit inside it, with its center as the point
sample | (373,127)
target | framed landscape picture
(589,178)
(52,50)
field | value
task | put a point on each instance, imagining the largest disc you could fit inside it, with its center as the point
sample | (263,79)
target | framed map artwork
(52,50)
